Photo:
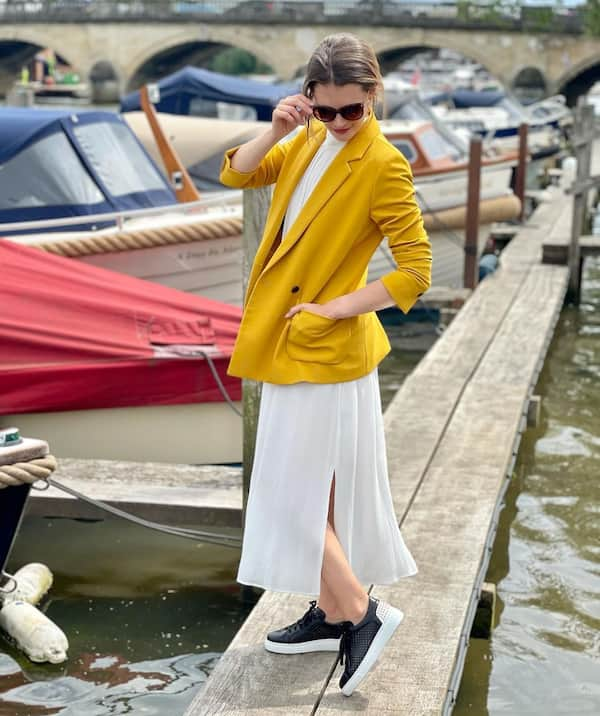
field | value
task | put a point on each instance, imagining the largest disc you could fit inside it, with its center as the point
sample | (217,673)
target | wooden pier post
(256,207)
(472,223)
(522,168)
(583,143)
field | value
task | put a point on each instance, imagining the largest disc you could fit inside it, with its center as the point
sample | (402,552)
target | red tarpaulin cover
(74,336)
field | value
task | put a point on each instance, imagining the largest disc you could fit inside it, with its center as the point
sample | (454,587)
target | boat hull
(203,433)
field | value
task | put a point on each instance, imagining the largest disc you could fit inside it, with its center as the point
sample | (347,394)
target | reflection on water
(544,655)
(147,616)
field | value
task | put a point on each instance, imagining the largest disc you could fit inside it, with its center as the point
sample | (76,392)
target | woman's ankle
(358,610)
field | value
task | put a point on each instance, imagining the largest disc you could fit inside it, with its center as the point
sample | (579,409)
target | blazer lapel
(274,225)
(337,173)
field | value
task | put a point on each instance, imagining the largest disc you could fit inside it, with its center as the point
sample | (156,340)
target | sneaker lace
(307,617)
(344,651)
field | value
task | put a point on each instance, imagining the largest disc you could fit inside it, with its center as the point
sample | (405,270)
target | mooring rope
(27,473)
(34,472)
(143,238)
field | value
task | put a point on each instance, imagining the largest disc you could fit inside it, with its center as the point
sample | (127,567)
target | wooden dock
(453,432)
(176,494)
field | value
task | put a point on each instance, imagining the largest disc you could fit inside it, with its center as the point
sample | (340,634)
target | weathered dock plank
(173,493)
(451,433)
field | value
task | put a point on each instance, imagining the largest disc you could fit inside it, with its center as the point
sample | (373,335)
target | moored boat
(103,365)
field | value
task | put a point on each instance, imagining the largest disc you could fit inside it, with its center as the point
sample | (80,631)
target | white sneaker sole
(390,623)
(304,647)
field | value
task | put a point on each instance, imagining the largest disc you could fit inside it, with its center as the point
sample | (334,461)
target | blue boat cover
(463,98)
(179,89)
(61,163)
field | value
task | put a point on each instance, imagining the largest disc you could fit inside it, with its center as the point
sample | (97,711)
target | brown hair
(343,59)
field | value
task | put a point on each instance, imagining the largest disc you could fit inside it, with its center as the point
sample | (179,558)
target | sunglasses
(350,112)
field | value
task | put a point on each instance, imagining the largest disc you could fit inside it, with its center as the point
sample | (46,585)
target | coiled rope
(88,245)
(27,473)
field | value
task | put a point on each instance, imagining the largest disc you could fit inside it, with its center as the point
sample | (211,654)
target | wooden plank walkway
(452,433)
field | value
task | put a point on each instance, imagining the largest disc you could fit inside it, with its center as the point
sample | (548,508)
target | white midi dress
(306,433)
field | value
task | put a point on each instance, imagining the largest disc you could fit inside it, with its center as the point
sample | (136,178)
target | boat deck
(453,431)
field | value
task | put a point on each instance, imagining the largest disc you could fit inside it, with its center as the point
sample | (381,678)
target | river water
(147,616)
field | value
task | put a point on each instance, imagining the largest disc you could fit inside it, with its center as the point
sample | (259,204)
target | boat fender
(488,263)
(40,638)
(33,582)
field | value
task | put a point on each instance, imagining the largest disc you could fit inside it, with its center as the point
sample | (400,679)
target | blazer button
(295,289)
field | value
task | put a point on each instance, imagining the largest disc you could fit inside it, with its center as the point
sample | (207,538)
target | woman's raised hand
(290,113)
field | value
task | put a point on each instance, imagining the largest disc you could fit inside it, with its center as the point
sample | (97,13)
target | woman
(320,519)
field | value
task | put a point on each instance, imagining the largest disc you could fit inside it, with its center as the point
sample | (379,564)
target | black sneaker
(310,633)
(362,643)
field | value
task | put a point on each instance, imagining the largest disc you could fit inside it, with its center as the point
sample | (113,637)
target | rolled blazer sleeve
(265,173)
(395,211)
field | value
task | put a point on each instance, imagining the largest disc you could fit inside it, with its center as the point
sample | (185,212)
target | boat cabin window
(407,148)
(435,146)
(118,159)
(47,173)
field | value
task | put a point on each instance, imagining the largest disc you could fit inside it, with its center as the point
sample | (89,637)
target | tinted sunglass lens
(324,114)
(352,112)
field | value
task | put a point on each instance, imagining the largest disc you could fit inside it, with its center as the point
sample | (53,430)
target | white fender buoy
(34,633)
(33,582)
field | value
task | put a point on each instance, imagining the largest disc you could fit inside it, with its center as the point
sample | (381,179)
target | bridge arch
(17,52)
(213,39)
(530,78)
(580,78)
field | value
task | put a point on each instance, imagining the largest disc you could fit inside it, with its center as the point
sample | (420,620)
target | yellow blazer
(366,193)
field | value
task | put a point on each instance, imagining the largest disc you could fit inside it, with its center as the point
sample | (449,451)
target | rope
(144,238)
(40,469)
(26,473)
(196,535)
(224,393)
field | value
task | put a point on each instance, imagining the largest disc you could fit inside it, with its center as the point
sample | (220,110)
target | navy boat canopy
(179,92)
(462,98)
(60,163)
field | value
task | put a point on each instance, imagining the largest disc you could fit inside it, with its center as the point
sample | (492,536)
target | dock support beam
(534,409)
(522,168)
(483,623)
(472,228)
(583,142)
(256,208)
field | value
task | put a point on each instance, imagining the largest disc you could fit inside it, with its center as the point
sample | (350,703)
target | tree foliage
(235,61)
(591,17)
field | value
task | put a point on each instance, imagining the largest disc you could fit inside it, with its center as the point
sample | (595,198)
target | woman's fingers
(298,106)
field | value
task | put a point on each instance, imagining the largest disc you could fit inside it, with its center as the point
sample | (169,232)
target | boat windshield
(513,108)
(435,146)
(117,158)
(414,108)
(47,173)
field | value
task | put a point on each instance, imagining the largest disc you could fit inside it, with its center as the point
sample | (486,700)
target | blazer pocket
(318,339)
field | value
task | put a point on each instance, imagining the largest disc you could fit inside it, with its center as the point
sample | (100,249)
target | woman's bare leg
(342,597)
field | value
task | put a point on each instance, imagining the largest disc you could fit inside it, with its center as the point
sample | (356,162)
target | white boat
(496,117)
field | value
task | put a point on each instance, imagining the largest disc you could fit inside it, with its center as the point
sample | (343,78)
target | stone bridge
(130,51)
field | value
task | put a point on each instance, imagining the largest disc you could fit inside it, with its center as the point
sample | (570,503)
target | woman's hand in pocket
(329,309)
